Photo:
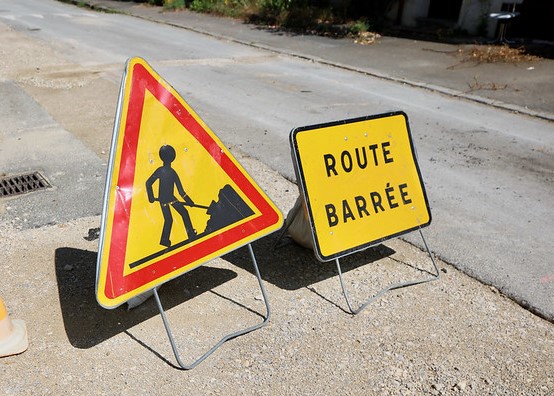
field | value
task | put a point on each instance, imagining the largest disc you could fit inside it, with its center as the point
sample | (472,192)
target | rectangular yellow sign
(360,181)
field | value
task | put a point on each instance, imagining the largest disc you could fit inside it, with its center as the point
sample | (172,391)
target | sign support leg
(229,336)
(434,276)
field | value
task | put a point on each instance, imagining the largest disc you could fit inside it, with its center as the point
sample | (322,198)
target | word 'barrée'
(361,208)
(375,201)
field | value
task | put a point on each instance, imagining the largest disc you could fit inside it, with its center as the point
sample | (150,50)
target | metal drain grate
(21,184)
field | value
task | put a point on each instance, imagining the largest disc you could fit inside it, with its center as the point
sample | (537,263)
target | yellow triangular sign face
(175,196)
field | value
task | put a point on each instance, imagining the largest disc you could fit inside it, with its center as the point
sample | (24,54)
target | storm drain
(22,184)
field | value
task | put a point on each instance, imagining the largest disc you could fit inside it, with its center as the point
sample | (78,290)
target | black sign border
(300,179)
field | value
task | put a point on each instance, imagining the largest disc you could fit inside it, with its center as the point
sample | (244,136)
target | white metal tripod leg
(229,336)
(391,287)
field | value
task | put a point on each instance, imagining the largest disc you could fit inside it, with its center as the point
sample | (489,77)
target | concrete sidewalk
(526,87)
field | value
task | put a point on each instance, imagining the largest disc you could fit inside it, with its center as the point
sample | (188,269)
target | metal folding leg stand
(391,287)
(229,336)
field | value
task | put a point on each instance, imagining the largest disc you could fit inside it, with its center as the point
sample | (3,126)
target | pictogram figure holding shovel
(168,180)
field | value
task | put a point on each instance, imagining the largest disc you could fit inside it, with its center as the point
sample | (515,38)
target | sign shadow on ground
(289,266)
(88,324)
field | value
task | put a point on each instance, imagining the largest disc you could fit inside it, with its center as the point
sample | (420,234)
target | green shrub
(359,27)
(174,4)
(272,11)
(311,16)
(232,8)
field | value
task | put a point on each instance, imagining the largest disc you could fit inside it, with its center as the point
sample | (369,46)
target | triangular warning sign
(175,197)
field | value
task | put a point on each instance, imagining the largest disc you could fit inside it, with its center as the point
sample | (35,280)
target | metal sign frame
(225,338)
(117,277)
(355,311)
(253,214)
(300,169)
(343,133)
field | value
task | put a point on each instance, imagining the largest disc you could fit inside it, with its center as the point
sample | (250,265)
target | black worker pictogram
(168,181)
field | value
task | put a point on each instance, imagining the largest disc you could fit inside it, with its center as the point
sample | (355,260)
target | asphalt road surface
(488,172)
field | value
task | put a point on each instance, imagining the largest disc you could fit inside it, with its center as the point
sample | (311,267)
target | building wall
(413,10)
(473,16)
